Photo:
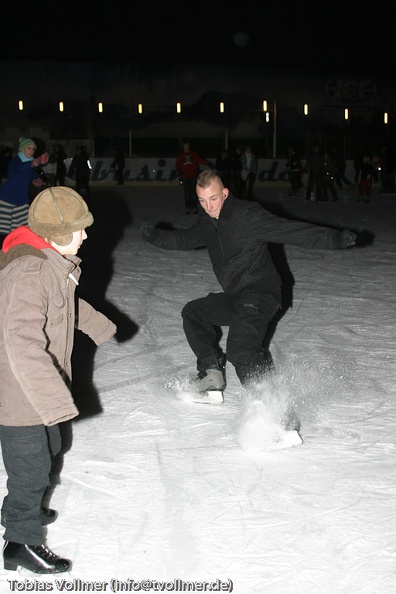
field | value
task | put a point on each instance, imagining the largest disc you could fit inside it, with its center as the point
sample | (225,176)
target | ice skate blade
(209,397)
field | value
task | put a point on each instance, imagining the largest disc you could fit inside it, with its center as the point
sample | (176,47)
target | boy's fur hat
(58,211)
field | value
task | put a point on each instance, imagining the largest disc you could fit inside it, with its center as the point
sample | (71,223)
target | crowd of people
(321,176)
(326,177)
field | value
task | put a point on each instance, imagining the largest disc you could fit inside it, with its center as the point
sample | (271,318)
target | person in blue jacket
(14,193)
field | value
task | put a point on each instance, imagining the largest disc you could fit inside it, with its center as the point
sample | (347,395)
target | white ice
(156,488)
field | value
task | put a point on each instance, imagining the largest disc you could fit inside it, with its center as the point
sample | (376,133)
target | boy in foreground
(39,273)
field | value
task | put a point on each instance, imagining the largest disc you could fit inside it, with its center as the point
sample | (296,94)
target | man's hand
(344,239)
(146,229)
(348,238)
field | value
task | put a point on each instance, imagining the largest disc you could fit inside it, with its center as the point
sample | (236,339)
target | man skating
(236,234)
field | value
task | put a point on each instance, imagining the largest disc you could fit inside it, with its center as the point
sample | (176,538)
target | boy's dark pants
(27,455)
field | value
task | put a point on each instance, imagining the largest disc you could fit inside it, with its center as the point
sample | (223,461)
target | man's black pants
(247,315)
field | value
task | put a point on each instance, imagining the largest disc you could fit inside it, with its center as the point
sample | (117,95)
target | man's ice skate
(262,432)
(209,386)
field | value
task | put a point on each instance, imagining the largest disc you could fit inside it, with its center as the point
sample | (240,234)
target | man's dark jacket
(237,243)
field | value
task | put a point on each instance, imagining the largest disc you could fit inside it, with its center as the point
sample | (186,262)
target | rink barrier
(163,170)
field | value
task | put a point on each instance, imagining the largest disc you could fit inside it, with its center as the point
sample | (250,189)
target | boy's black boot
(36,558)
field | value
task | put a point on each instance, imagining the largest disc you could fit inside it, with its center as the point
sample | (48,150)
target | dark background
(348,38)
(305,34)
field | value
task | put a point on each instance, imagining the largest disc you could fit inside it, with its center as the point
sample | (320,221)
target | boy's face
(74,245)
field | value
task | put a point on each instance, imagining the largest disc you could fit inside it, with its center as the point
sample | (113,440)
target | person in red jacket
(187,163)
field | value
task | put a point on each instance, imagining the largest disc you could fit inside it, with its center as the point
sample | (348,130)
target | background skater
(187,163)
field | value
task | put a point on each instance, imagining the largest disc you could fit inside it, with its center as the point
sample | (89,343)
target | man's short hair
(205,178)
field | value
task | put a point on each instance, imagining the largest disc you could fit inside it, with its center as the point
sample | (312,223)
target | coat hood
(24,235)
(22,242)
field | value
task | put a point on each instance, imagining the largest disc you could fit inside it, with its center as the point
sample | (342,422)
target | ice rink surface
(155,492)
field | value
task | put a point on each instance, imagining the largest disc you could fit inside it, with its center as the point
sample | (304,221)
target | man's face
(212,198)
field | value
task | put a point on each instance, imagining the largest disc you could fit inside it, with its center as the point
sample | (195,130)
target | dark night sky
(290,34)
